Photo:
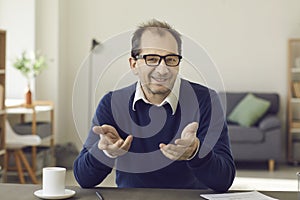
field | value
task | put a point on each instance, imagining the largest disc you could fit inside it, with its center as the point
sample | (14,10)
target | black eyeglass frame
(160,59)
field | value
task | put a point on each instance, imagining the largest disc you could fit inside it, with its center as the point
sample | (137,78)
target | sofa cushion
(249,110)
(43,129)
(240,134)
(269,122)
(233,98)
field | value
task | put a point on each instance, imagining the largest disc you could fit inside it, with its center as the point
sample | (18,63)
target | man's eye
(153,60)
(172,60)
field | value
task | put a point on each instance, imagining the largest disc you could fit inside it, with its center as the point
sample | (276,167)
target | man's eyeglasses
(153,60)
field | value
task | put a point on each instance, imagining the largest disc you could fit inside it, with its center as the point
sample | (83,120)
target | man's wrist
(197,144)
(108,155)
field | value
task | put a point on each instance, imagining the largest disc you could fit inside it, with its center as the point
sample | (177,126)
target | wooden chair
(14,145)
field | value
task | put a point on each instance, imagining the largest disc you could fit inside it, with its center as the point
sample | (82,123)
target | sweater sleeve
(92,166)
(89,171)
(214,165)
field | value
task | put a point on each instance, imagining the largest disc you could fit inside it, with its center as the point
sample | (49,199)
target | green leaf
(30,67)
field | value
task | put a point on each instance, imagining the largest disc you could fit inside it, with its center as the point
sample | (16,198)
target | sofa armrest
(269,122)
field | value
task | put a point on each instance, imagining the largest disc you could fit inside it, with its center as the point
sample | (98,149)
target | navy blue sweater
(144,165)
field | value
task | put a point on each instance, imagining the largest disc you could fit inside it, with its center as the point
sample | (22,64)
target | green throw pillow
(249,110)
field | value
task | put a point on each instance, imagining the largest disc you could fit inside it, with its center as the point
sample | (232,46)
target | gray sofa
(262,141)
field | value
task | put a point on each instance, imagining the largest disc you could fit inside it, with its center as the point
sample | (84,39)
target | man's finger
(106,130)
(167,154)
(162,145)
(191,128)
(97,130)
(170,156)
(174,149)
(115,146)
(173,155)
(102,146)
(127,143)
(185,142)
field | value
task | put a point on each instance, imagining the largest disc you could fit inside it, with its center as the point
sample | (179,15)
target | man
(161,132)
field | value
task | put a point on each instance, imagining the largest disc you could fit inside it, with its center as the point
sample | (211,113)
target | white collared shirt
(172,98)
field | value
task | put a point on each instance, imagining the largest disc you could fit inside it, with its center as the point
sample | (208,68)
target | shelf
(295,124)
(2,151)
(296,138)
(295,130)
(293,108)
(295,100)
(295,70)
(2,95)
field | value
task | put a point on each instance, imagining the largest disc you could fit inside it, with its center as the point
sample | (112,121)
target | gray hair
(160,28)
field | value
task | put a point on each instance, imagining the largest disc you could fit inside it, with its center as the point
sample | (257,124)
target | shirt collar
(172,98)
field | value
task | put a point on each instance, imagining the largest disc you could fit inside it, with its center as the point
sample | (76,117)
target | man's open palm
(185,147)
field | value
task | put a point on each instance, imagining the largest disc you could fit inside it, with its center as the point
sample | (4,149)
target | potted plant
(30,67)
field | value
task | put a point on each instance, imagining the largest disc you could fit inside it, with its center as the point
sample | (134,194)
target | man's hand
(184,147)
(111,142)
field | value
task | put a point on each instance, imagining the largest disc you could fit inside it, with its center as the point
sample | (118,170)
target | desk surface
(25,192)
(18,107)
(23,110)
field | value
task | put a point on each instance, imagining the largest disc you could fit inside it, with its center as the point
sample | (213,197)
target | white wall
(246,39)
(33,25)
(17,17)
(47,40)
(47,35)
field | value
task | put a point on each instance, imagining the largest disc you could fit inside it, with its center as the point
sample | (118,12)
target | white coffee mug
(54,181)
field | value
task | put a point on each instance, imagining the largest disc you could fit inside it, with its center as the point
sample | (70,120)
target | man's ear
(132,63)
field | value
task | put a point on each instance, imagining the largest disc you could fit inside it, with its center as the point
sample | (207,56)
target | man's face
(156,80)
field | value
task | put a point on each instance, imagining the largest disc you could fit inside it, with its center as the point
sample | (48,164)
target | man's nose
(162,68)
